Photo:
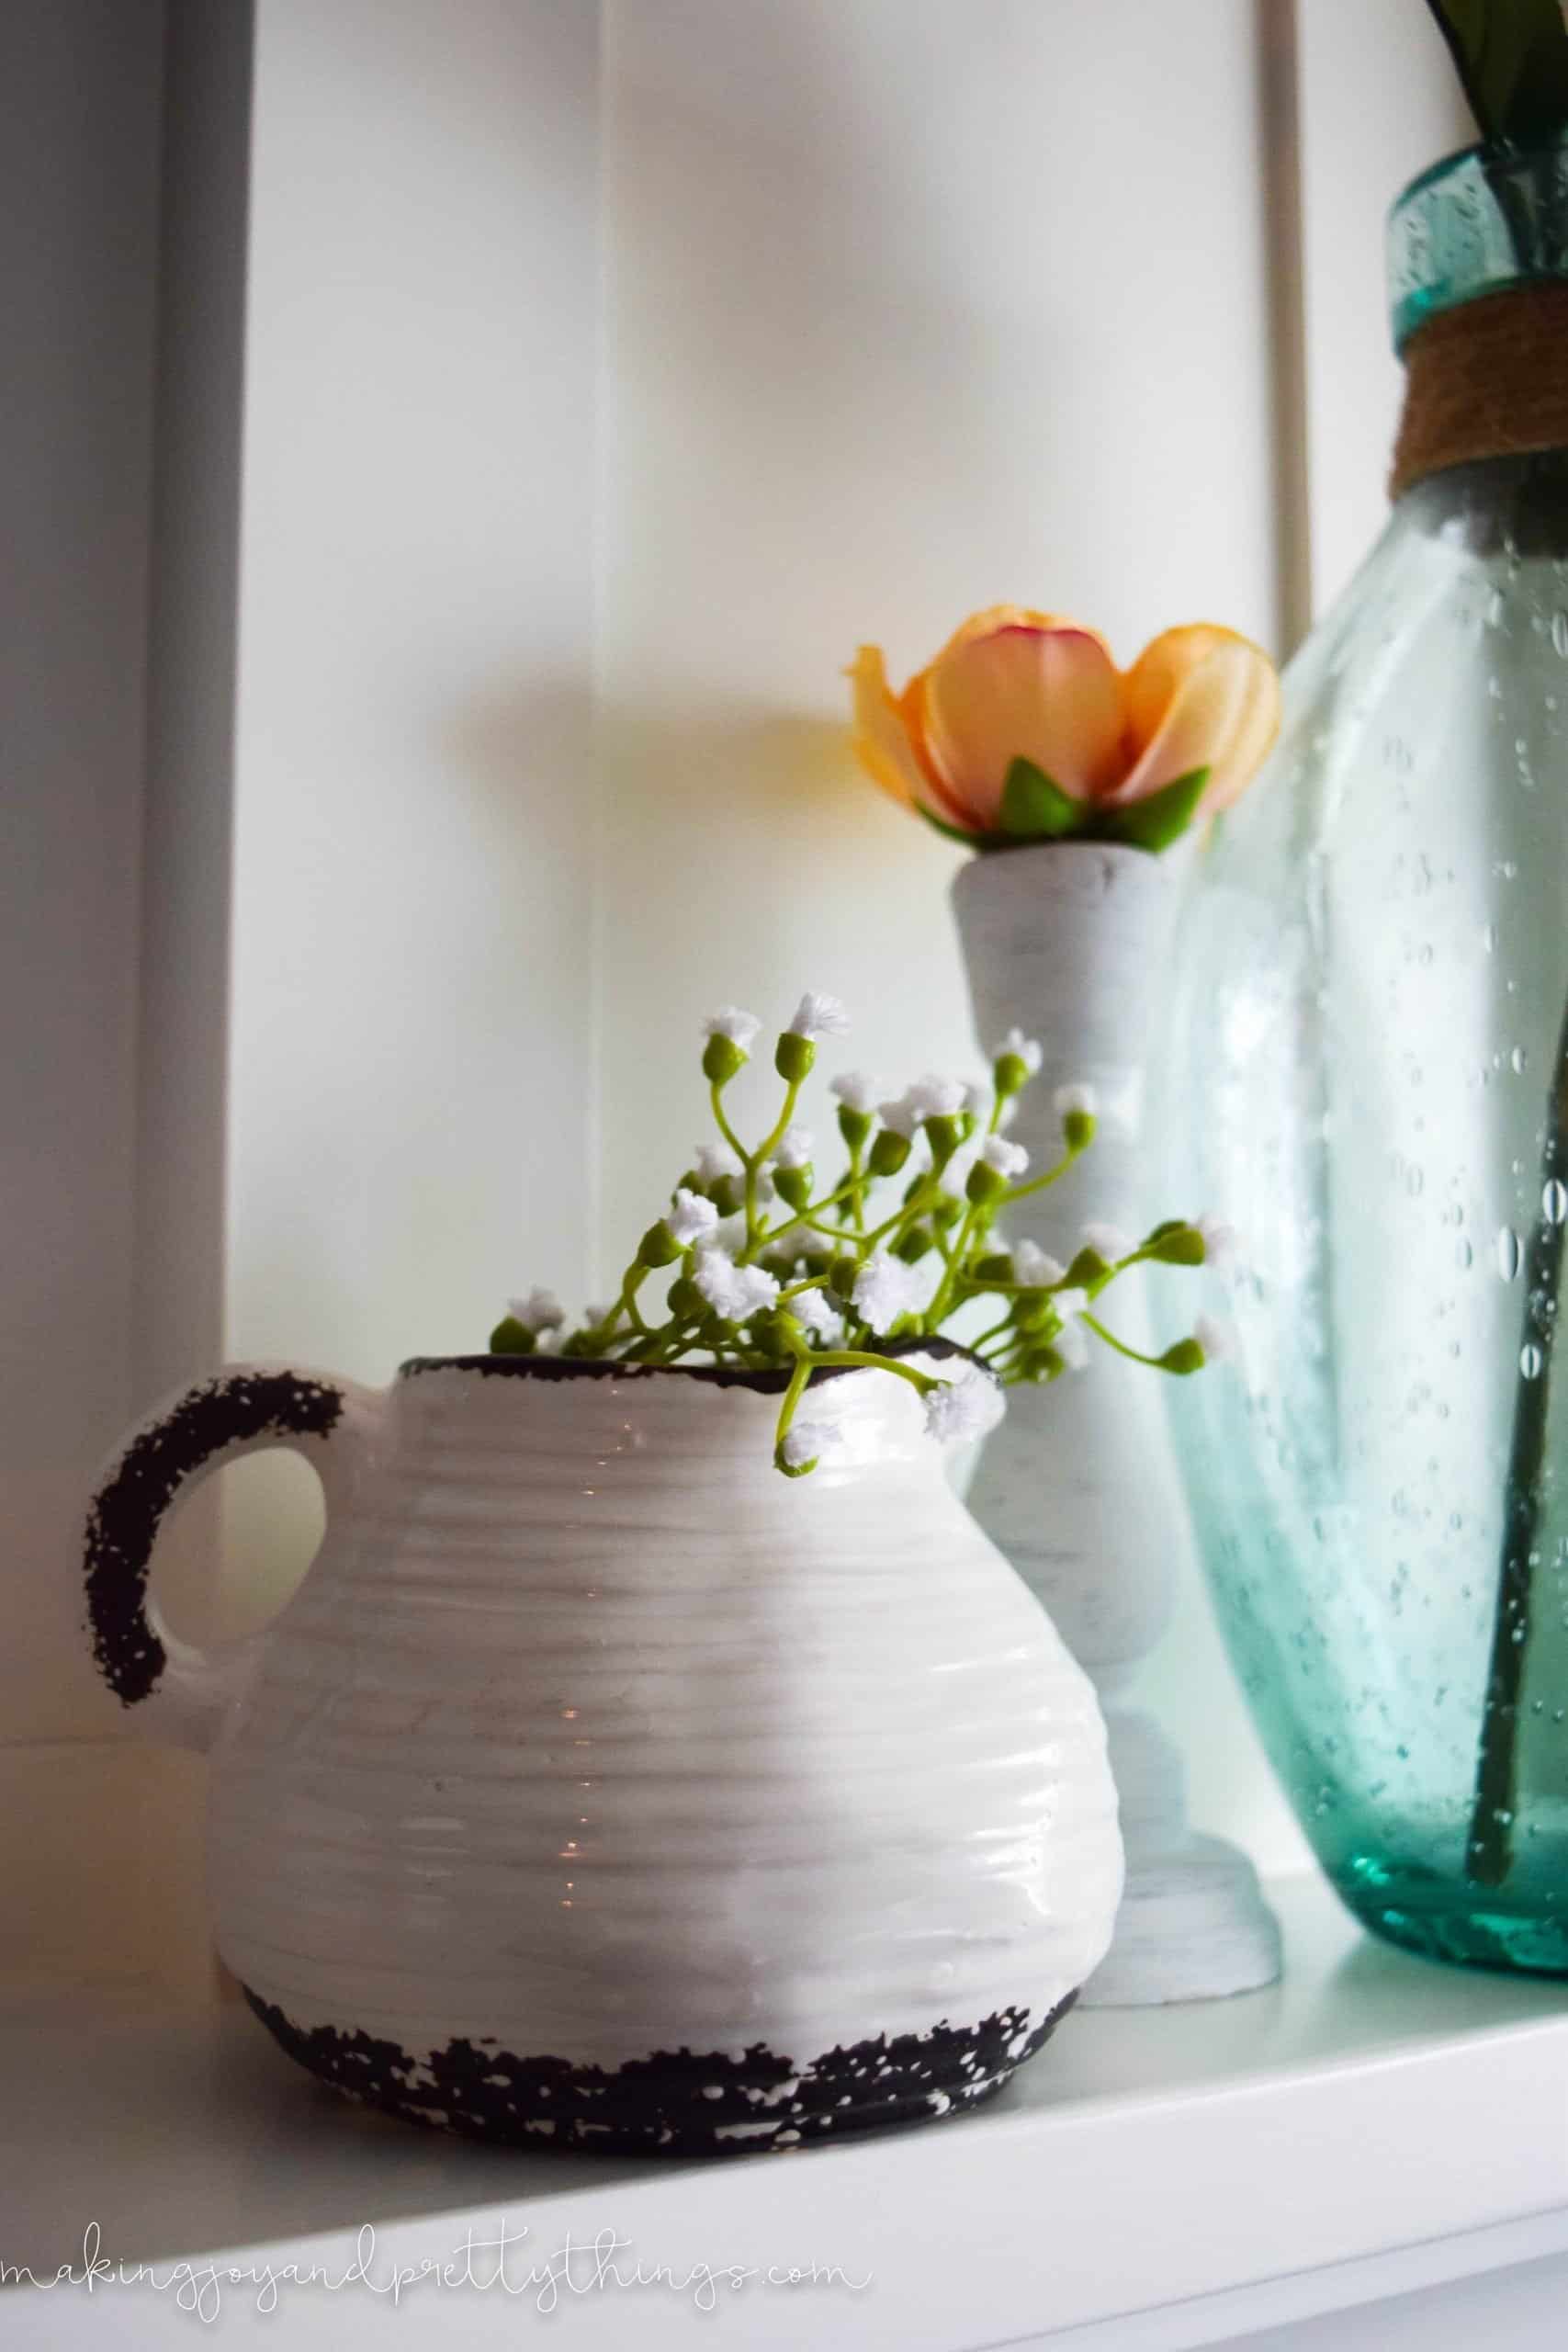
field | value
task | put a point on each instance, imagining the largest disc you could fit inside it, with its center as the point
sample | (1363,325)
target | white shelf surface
(1155,2179)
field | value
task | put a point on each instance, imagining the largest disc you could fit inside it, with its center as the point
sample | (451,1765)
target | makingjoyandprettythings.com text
(576,2268)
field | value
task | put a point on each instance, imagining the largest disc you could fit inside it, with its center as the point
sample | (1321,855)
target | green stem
(857,1188)
(1133,1355)
(635,1278)
(1041,1184)
(978,1218)
(754,1158)
(994,1333)
(798,1290)
(792,1397)
(941,1305)
(716,1096)
(807,1215)
(911,1214)
(849,1356)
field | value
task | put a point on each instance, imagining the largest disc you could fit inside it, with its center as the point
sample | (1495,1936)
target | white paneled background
(454,448)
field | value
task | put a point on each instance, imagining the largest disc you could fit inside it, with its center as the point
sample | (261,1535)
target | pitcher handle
(241,1410)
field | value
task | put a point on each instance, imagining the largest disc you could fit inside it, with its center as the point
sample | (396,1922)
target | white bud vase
(1071,941)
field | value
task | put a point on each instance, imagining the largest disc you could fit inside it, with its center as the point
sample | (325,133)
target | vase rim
(765,1383)
(1072,845)
(1478,221)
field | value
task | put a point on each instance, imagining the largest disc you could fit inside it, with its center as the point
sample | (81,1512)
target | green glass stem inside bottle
(1369,1067)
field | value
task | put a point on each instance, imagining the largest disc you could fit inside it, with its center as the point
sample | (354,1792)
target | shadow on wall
(748,765)
(523,744)
(774,780)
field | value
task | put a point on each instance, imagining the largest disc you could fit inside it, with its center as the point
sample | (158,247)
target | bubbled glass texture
(1367,1078)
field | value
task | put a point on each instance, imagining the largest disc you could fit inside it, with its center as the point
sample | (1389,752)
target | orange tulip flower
(1024,728)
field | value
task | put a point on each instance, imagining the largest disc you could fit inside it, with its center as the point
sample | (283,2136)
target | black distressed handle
(239,1410)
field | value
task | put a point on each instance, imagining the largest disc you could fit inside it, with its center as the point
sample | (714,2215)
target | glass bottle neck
(1496,507)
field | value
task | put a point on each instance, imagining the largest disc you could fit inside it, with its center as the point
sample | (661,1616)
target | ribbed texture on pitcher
(589,1741)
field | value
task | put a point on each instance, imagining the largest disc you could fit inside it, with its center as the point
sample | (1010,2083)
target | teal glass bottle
(1369,1078)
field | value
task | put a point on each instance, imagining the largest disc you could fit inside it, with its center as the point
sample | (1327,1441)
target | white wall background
(607,373)
(410,1075)
(883,302)
(1378,102)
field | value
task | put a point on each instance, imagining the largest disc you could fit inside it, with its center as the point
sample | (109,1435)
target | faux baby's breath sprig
(770,1265)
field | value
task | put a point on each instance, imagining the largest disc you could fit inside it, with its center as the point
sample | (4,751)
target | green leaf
(1512,57)
(1154,822)
(1035,808)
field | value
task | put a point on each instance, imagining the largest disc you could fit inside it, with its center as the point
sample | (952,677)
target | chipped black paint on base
(675,2103)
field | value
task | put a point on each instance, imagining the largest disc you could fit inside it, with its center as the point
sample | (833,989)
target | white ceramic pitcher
(599,1784)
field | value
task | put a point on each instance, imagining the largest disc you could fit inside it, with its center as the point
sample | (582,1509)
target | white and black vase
(1071,942)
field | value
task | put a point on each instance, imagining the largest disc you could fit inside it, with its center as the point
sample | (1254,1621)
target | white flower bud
(815,1311)
(1221,1244)
(733,1292)
(1016,1047)
(1035,1267)
(964,1407)
(1067,1099)
(729,1022)
(818,1015)
(540,1311)
(887,1288)
(816,1439)
(857,1091)
(714,1161)
(793,1147)
(1008,1159)
(691,1218)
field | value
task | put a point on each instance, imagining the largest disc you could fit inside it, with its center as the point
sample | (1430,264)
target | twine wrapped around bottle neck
(1488,379)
